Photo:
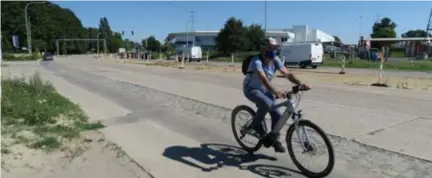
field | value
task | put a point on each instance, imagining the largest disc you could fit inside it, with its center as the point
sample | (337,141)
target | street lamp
(27,25)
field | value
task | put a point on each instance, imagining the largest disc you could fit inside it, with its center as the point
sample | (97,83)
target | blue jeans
(265,102)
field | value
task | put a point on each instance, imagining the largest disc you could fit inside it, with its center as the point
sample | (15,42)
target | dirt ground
(88,157)
(405,83)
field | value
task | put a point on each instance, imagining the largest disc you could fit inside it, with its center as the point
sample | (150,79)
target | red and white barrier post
(343,65)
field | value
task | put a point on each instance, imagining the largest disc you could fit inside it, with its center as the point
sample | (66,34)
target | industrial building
(207,39)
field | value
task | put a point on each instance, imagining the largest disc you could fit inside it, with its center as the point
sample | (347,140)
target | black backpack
(245,63)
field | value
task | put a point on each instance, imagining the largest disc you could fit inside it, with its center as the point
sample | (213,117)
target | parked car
(47,56)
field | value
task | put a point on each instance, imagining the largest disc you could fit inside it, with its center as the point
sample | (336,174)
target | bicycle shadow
(215,156)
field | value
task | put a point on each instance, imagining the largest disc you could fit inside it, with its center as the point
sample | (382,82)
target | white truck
(193,53)
(302,54)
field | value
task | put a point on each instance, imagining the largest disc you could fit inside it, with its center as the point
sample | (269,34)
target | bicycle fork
(301,132)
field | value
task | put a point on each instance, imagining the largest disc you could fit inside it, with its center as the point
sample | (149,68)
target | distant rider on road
(258,89)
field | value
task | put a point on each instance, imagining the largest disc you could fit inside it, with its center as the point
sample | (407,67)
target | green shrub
(20,57)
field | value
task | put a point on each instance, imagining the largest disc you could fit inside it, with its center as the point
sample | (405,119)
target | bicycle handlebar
(297,88)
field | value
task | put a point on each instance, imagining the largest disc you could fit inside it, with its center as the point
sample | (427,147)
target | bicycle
(298,125)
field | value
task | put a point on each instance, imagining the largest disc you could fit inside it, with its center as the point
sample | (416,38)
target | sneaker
(278,147)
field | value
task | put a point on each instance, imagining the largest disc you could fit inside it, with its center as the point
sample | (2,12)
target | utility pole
(29,47)
(361,24)
(265,16)
(428,31)
(192,15)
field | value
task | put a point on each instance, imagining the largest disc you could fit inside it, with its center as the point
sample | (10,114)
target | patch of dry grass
(35,115)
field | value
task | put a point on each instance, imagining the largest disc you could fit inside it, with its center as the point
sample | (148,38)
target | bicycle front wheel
(305,130)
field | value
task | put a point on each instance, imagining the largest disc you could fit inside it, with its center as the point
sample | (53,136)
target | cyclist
(258,89)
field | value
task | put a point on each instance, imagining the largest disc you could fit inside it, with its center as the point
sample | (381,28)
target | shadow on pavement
(215,156)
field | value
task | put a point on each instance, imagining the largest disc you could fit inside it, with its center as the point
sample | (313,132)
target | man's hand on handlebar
(281,94)
(305,87)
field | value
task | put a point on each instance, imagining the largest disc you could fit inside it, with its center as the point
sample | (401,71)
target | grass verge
(425,65)
(21,57)
(36,115)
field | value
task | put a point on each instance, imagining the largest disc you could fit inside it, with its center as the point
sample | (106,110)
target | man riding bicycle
(258,89)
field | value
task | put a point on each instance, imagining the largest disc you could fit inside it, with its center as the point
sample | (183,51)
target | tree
(48,23)
(168,49)
(255,35)
(113,39)
(415,33)
(104,28)
(115,42)
(383,29)
(232,37)
(337,39)
(151,44)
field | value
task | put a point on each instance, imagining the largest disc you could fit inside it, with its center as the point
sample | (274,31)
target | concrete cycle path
(169,142)
(361,122)
(136,130)
(401,123)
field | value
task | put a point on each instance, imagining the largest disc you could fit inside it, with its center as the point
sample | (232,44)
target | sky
(345,19)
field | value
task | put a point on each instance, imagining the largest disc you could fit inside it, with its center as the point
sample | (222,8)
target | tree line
(49,22)
(234,36)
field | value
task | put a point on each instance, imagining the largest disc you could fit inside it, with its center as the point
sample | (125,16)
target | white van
(193,53)
(302,54)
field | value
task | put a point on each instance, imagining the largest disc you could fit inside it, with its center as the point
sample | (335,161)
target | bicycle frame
(291,111)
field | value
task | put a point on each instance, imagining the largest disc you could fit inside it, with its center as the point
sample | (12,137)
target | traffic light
(122,32)
(132,32)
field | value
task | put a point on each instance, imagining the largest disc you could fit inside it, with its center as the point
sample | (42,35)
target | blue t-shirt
(252,81)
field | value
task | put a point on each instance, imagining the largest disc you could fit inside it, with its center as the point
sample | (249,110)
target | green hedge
(21,57)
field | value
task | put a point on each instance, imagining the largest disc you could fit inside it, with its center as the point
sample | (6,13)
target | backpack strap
(251,60)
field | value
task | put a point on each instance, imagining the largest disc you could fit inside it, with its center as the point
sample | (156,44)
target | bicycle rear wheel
(244,128)
(311,149)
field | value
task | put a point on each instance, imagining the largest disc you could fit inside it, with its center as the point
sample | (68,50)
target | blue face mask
(270,54)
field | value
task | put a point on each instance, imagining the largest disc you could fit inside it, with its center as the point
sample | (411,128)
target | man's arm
(286,73)
(257,66)
(262,76)
(290,76)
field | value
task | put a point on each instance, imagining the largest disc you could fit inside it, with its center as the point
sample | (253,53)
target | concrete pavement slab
(347,122)
(152,141)
(411,138)
(390,100)
(95,106)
